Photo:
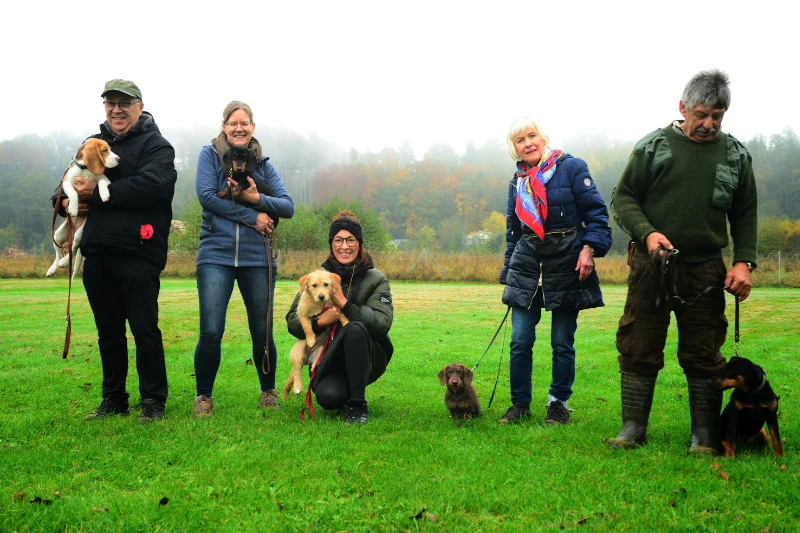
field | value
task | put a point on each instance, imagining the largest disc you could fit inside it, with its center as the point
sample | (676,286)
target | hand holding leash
(264,224)
(328,317)
(739,282)
(657,240)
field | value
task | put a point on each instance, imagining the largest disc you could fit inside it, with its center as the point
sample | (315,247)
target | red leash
(308,402)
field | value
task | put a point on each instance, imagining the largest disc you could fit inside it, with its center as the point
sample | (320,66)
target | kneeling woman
(360,351)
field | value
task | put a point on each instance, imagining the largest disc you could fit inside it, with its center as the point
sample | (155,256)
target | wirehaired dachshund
(752,403)
(460,396)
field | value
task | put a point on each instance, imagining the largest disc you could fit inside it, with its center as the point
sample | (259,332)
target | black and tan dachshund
(752,403)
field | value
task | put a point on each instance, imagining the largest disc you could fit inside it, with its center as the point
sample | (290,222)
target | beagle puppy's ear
(303,282)
(79,154)
(93,159)
(443,376)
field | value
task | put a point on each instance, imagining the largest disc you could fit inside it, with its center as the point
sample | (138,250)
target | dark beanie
(346,223)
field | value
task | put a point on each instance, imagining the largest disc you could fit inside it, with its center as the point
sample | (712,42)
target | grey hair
(234,106)
(708,87)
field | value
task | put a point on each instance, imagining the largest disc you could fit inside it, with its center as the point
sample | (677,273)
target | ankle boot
(637,399)
(704,406)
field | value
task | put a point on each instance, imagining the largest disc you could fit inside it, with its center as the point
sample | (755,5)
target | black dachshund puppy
(460,396)
(752,403)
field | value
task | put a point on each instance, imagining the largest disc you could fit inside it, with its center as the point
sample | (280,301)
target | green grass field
(410,468)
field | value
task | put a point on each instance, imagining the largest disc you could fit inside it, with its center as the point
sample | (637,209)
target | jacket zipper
(539,284)
(236,251)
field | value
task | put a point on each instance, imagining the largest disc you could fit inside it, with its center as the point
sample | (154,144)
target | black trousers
(351,367)
(120,289)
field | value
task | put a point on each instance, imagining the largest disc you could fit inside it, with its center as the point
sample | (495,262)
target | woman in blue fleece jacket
(234,246)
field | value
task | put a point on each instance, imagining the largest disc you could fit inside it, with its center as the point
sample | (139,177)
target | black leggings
(348,371)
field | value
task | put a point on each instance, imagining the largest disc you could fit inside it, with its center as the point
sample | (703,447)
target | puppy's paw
(298,391)
(72,210)
(63,262)
(310,341)
(51,271)
(104,195)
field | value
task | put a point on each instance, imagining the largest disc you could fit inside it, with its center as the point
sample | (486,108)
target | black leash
(500,362)
(666,280)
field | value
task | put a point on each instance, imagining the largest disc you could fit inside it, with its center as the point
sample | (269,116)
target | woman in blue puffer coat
(556,224)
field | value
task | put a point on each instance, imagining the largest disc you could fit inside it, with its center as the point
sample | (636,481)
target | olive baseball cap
(123,86)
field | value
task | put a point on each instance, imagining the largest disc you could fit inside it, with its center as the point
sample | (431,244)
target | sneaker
(515,414)
(203,405)
(108,407)
(152,410)
(356,411)
(557,414)
(269,399)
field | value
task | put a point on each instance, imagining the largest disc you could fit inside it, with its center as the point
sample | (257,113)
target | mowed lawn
(410,468)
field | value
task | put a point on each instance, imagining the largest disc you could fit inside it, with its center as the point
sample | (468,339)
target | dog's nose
(117,158)
(321,297)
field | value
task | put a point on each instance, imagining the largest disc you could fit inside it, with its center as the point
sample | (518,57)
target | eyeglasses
(124,106)
(339,242)
(234,125)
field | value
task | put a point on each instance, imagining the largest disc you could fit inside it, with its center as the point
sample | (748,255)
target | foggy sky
(372,74)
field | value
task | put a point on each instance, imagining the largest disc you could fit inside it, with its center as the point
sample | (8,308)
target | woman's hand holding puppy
(328,317)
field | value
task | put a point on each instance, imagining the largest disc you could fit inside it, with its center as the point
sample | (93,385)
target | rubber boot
(704,406)
(637,399)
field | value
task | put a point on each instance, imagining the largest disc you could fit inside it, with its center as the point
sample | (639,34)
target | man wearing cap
(125,245)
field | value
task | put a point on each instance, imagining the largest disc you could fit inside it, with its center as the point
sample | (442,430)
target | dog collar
(763,382)
(80,166)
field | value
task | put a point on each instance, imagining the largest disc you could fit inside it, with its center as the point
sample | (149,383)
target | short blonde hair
(521,125)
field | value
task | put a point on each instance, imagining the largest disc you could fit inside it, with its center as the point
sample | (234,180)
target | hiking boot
(515,414)
(557,414)
(356,411)
(108,407)
(203,405)
(269,399)
(152,410)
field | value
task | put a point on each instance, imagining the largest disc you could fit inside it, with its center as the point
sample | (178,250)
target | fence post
(34,260)
(779,267)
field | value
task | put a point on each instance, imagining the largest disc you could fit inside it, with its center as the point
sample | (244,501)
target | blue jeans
(562,341)
(214,289)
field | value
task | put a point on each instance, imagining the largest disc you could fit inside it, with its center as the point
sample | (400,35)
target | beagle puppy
(93,158)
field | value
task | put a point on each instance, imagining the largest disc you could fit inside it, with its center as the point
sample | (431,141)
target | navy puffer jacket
(576,216)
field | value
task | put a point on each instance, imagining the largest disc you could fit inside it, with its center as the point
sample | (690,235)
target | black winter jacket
(141,190)
(576,215)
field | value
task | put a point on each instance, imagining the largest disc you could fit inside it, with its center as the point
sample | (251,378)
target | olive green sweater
(689,191)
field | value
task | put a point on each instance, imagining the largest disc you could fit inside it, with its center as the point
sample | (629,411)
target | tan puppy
(93,158)
(315,294)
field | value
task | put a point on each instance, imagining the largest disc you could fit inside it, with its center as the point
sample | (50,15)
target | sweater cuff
(315,326)
(347,307)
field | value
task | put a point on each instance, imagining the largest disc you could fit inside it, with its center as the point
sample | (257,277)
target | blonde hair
(521,125)
(234,106)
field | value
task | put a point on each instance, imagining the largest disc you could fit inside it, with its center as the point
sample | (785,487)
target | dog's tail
(288,386)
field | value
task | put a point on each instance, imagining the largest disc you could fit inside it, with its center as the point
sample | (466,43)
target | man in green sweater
(682,186)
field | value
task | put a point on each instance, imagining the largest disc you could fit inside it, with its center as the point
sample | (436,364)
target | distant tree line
(444,201)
